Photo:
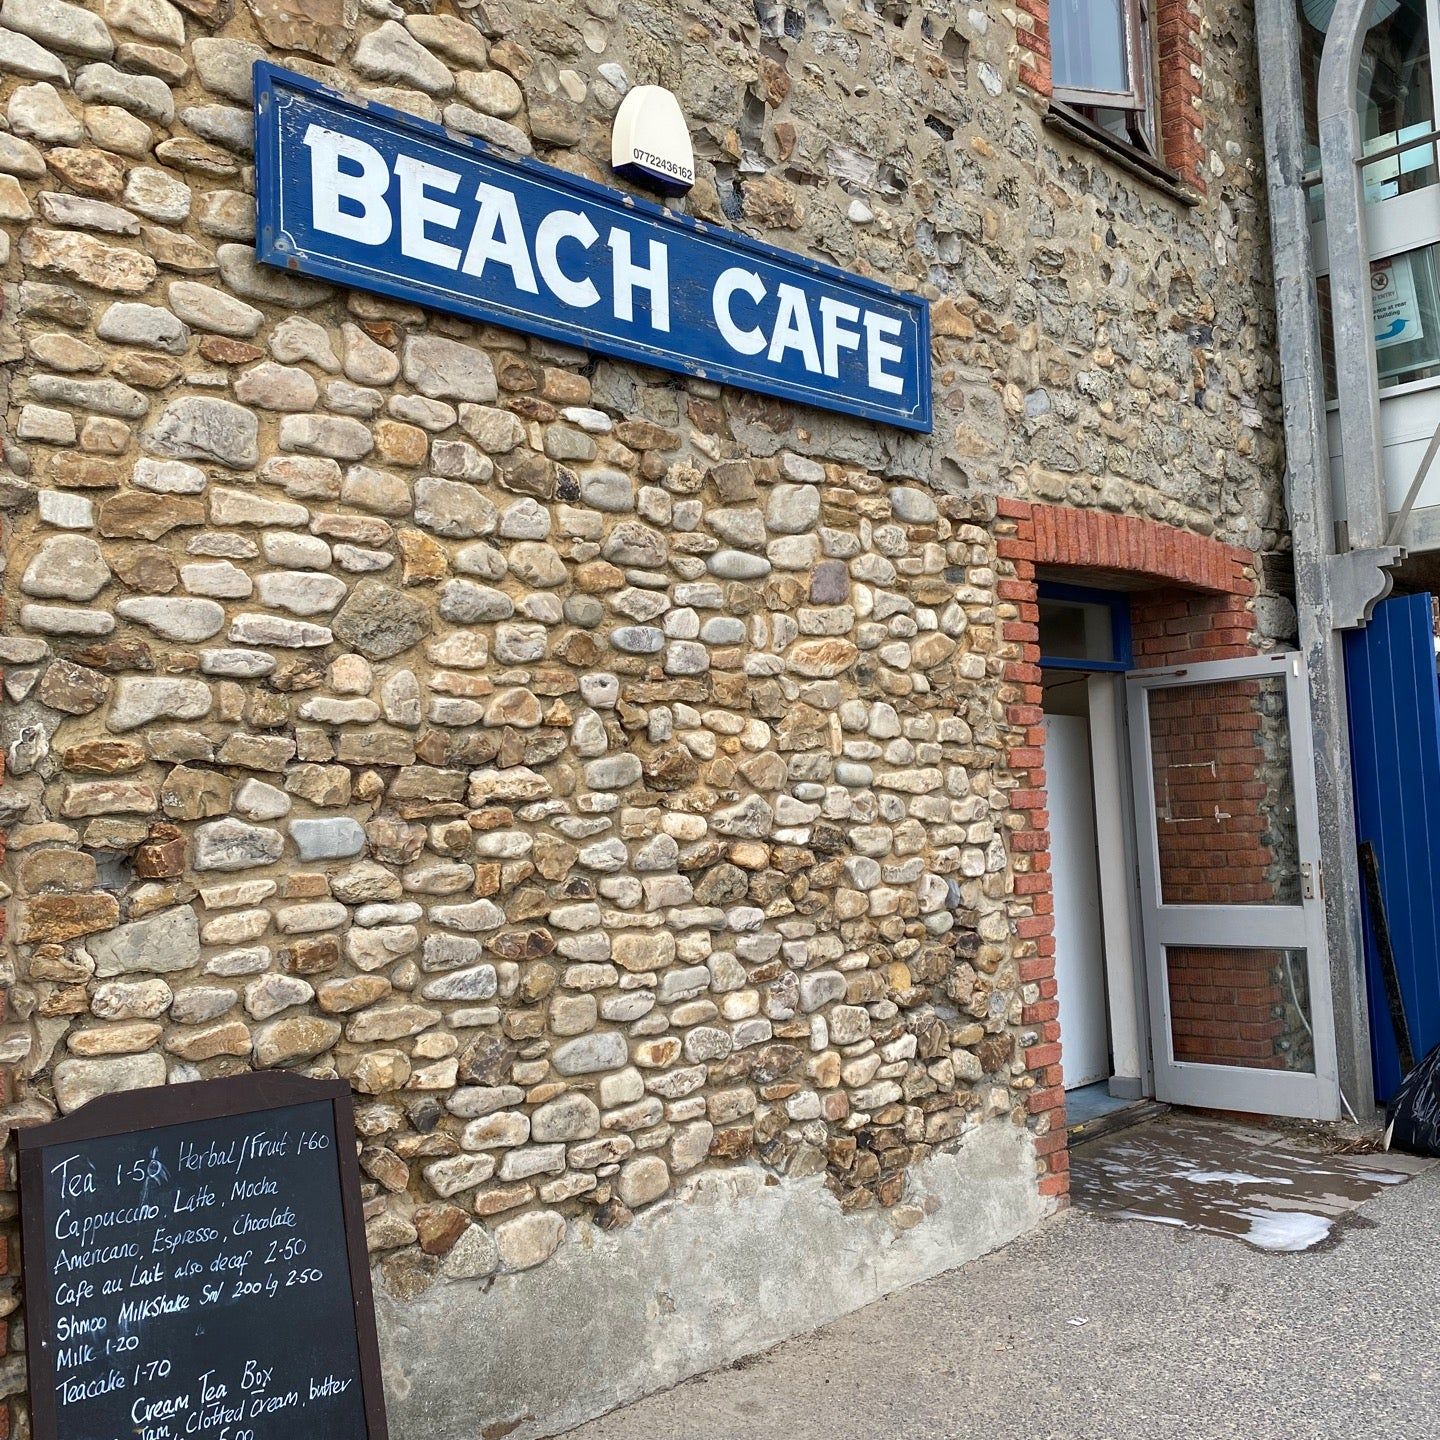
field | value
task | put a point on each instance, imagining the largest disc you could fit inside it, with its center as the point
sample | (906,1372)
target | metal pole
(1348,246)
(1308,497)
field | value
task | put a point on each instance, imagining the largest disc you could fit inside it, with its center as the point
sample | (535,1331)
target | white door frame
(1119,890)
(1292,927)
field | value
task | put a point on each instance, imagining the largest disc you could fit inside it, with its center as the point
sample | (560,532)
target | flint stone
(218,579)
(168,477)
(139,700)
(336,436)
(277,387)
(752,818)
(446,370)
(380,622)
(452,508)
(460,1172)
(527,1240)
(38,111)
(642,1181)
(224,66)
(271,994)
(63,620)
(67,28)
(916,507)
(135,1000)
(464,603)
(237,664)
(566,1118)
(102,397)
(209,309)
(199,1004)
(301,1037)
(737,565)
(302,592)
(587,1054)
(20,55)
(609,490)
(177,619)
(231,844)
(79,1081)
(130,323)
(157,945)
(243,275)
(86,259)
(391,53)
(479,982)
(67,567)
(143,95)
(224,125)
(50,427)
(241,507)
(78,213)
(194,427)
(157,195)
(792,509)
(332,838)
(631,543)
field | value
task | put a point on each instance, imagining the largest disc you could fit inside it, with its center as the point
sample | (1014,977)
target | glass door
(1232,917)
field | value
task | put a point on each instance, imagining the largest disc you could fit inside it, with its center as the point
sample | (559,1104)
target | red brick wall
(1209,619)
(1227,1006)
(1175,28)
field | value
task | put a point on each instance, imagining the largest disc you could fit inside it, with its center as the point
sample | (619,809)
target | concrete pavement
(1089,1329)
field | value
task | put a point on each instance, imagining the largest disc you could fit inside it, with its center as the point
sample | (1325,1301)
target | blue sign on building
(364,196)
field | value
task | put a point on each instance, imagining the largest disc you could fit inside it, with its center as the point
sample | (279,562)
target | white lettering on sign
(561,225)
(832,338)
(745,282)
(330,186)
(351,189)
(630,277)
(418,210)
(499,236)
(878,351)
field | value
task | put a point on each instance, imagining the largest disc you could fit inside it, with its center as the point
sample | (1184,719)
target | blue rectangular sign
(359,194)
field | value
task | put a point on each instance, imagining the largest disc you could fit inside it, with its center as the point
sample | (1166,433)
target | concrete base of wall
(737,1262)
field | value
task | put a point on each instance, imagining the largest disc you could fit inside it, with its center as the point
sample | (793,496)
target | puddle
(1250,1185)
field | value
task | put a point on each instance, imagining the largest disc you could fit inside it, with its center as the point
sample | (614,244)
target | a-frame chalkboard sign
(195,1266)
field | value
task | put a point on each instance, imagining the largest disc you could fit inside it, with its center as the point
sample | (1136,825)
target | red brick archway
(1193,601)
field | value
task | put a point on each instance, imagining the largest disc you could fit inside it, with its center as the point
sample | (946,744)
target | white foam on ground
(1231,1177)
(1288,1230)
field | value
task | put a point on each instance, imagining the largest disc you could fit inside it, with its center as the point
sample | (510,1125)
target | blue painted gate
(1394,707)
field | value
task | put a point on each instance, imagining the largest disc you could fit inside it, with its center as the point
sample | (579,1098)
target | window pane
(1224,794)
(1405,295)
(1394,95)
(1087,40)
(1076,630)
(1233,1006)
(1395,99)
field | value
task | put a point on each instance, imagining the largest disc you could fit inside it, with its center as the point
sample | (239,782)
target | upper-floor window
(1101,66)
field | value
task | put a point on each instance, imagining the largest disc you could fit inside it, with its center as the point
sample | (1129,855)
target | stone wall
(607,774)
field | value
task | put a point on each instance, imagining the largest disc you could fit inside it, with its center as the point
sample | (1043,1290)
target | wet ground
(1097,1327)
(1270,1188)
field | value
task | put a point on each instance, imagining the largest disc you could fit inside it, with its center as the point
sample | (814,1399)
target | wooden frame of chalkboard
(134,1111)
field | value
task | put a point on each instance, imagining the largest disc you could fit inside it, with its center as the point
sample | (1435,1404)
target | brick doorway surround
(1192,600)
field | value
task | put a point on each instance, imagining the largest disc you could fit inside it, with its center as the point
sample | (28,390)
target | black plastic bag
(1413,1114)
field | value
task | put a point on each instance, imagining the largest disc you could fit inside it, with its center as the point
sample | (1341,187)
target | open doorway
(1085,649)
